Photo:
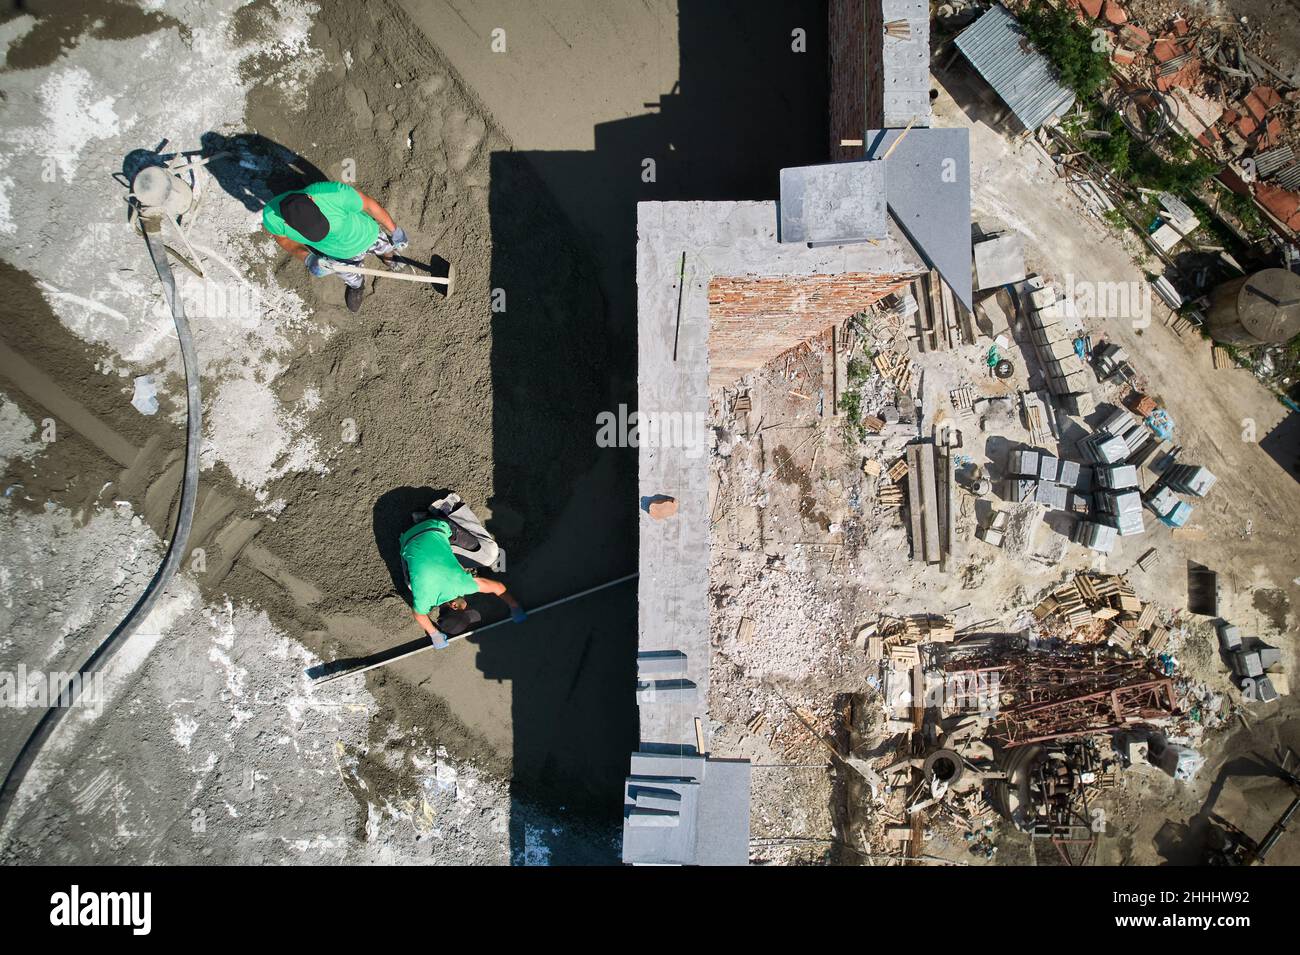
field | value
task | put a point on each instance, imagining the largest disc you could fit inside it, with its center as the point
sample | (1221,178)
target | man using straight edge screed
(333,222)
(436,577)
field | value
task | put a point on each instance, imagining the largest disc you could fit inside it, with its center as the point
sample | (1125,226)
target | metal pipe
(421,646)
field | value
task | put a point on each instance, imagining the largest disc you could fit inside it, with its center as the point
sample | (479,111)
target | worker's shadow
(255,169)
(391,517)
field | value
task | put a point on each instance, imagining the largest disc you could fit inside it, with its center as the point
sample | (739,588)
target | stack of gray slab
(1250,659)
(1037,476)
(1054,324)
(1023,462)
(1124,510)
(1097,536)
(1050,495)
(1102,448)
(1115,477)
(1109,357)
(1116,439)
(1190,479)
(686,810)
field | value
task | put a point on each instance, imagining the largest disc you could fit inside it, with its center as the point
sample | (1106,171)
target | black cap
(301,214)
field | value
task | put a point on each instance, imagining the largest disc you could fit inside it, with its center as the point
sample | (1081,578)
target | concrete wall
(735,242)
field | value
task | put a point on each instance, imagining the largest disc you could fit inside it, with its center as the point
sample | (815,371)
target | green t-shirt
(351,230)
(435,574)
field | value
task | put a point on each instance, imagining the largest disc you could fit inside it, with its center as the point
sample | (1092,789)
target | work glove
(518,615)
(399,238)
(316,265)
(438,639)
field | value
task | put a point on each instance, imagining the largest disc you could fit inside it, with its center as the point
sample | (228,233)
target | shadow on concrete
(390,519)
(256,169)
(564,349)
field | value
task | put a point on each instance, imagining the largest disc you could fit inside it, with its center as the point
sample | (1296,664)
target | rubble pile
(1207,78)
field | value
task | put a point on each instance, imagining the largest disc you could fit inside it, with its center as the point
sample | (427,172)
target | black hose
(100,656)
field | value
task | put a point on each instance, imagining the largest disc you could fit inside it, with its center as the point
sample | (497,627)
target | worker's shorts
(383,245)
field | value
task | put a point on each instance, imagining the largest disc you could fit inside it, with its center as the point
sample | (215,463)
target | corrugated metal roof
(1271,160)
(997,47)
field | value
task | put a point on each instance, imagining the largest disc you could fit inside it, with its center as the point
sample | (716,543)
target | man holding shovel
(331,222)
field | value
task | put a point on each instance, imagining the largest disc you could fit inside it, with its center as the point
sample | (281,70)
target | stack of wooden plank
(891,495)
(1222,357)
(907,634)
(896,368)
(928,628)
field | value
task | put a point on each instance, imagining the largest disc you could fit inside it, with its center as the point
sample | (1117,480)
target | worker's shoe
(447,504)
(353,297)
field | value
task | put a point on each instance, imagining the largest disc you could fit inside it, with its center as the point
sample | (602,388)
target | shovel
(449,281)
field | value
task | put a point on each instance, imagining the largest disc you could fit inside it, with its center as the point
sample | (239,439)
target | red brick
(1122,56)
(754,320)
(846,23)
(1165,49)
(1180,26)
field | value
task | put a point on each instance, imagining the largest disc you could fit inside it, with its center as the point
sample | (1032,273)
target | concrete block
(1268,656)
(1229,636)
(833,203)
(1264,690)
(1246,663)
(1000,260)
(660,662)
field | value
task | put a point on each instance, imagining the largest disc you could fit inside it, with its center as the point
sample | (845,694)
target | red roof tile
(1165,49)
(1134,36)
(1282,204)
(1267,95)
(1091,7)
(1114,13)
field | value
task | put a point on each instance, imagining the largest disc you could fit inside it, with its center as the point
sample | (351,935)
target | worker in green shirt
(436,577)
(333,222)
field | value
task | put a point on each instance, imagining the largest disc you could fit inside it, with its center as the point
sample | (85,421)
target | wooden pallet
(963,400)
(891,495)
(1222,357)
(898,470)
(896,368)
